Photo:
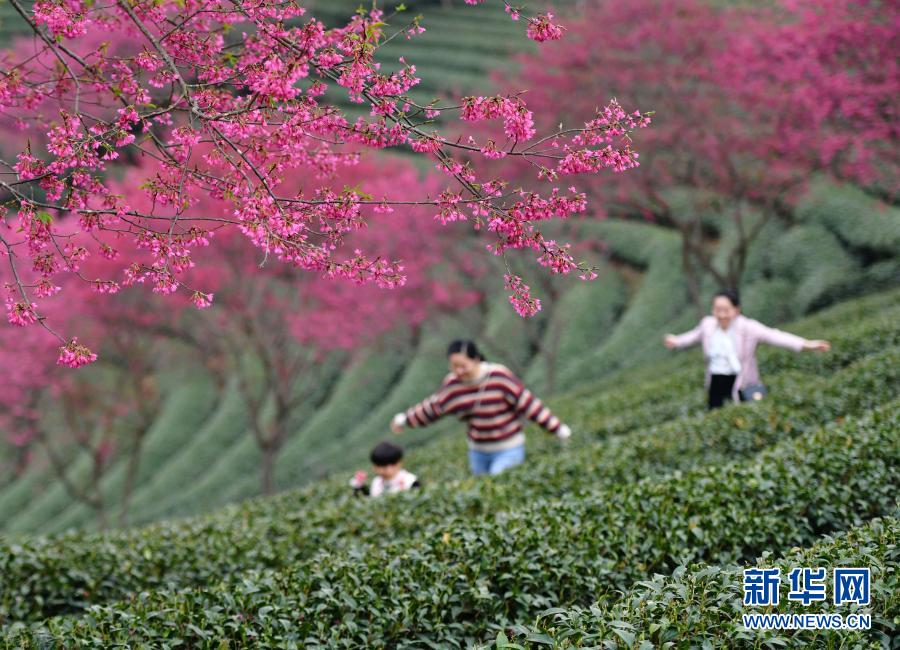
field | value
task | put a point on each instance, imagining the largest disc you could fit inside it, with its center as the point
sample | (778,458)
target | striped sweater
(493,406)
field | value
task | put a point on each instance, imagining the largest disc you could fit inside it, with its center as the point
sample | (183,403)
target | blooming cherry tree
(86,420)
(225,99)
(750,100)
(281,334)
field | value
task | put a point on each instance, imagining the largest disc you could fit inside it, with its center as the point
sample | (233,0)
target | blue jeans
(495,462)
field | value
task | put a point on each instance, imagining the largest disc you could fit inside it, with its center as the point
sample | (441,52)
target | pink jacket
(748,333)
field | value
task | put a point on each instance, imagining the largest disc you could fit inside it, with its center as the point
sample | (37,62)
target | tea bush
(853,215)
(182,413)
(460,580)
(702,605)
(660,300)
(646,486)
(77,569)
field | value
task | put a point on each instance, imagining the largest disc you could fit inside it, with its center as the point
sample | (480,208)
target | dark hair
(468,348)
(731,294)
(386,453)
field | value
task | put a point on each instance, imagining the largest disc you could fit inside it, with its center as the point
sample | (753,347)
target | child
(387,459)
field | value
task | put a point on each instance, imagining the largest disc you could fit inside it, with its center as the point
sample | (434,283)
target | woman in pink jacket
(729,342)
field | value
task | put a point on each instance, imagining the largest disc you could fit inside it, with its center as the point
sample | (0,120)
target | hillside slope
(839,243)
(647,486)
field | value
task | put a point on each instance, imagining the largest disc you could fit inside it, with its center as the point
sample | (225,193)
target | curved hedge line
(585,315)
(225,425)
(856,217)
(360,388)
(66,574)
(868,327)
(813,258)
(459,580)
(635,338)
(183,412)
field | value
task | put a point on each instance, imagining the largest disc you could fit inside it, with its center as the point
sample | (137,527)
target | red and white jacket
(493,406)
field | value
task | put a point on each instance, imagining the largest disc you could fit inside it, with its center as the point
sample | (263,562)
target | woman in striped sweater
(492,400)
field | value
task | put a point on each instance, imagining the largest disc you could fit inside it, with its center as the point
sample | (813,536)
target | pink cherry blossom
(520,298)
(20,313)
(75,355)
(239,120)
(201,300)
(540,28)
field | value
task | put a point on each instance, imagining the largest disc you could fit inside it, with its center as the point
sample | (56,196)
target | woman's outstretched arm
(429,410)
(692,337)
(527,404)
(782,339)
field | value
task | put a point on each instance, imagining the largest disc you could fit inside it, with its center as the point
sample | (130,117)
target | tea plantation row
(198,456)
(55,575)
(701,605)
(49,576)
(462,580)
(73,571)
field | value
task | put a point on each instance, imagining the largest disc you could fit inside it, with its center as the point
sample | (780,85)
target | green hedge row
(173,435)
(816,262)
(857,218)
(720,435)
(660,300)
(702,606)
(48,576)
(360,389)
(585,315)
(622,460)
(459,580)
(344,447)
(679,391)
(225,425)
(183,412)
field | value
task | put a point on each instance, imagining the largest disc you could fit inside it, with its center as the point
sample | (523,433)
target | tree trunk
(134,462)
(102,521)
(90,495)
(552,356)
(267,468)
(692,277)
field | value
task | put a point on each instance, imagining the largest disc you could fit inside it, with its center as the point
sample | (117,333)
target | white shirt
(723,359)
(402,481)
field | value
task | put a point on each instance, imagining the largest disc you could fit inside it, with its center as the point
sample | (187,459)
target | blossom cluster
(518,121)
(542,28)
(520,296)
(75,355)
(239,120)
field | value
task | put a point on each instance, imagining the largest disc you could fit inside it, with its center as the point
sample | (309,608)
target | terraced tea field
(562,550)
